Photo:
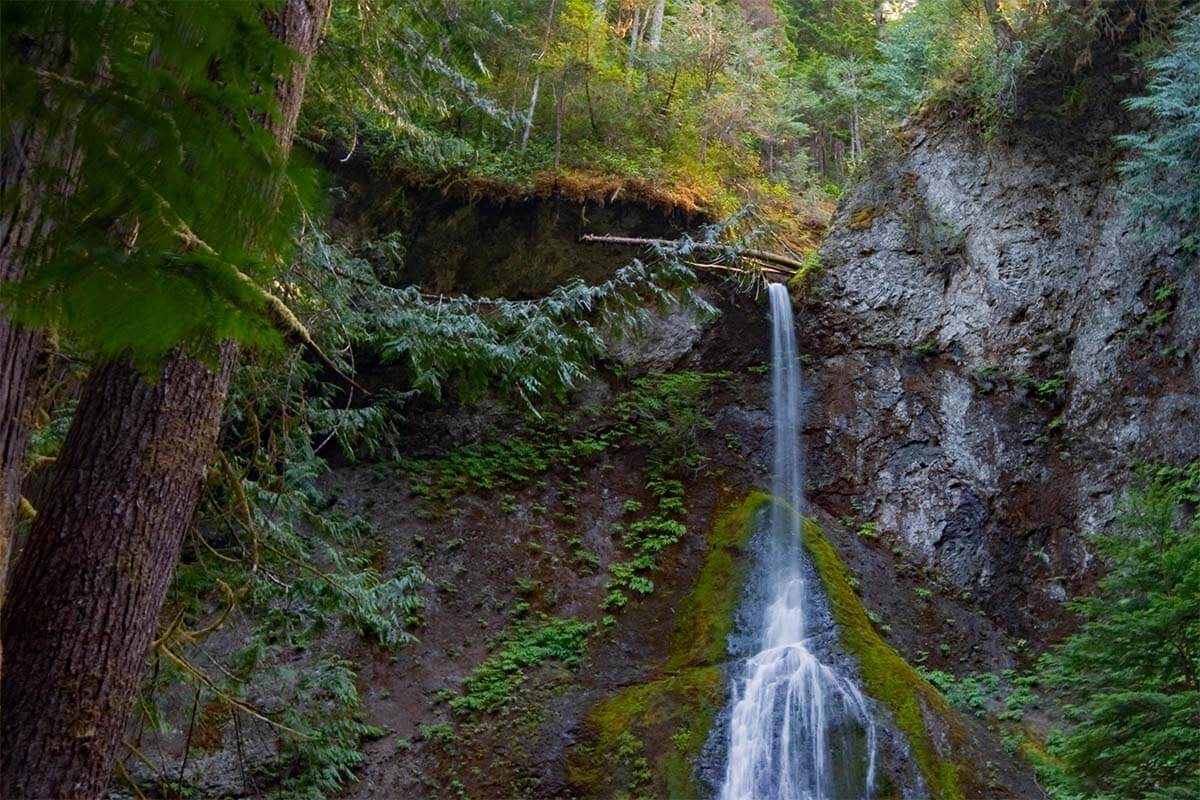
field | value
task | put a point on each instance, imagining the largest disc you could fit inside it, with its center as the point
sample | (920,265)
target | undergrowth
(492,685)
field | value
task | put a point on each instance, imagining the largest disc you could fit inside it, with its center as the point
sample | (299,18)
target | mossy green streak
(676,711)
(887,676)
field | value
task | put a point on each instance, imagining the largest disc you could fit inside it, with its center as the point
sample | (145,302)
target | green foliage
(1129,675)
(493,684)
(915,705)
(150,239)
(973,693)
(1007,695)
(526,351)
(689,118)
(269,555)
(687,698)
(324,708)
(665,413)
(1162,175)
(505,463)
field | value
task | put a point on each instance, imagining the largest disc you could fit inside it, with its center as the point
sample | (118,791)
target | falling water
(798,729)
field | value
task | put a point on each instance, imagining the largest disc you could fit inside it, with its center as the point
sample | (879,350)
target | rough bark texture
(91,583)
(28,152)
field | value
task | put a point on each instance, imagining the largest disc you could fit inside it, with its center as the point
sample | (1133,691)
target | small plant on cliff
(493,684)
(1131,675)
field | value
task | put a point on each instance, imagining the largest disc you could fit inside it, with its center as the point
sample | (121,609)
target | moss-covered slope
(922,715)
(646,738)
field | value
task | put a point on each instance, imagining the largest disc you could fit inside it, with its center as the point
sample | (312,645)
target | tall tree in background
(85,600)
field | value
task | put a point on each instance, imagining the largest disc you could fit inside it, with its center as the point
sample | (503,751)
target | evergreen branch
(277,312)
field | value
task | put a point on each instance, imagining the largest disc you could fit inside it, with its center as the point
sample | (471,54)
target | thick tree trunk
(87,593)
(89,588)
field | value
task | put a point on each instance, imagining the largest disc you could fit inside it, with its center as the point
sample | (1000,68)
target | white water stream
(799,730)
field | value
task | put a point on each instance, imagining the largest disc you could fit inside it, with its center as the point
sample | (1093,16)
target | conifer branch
(211,685)
(277,312)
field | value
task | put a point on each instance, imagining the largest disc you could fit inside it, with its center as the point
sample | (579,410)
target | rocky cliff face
(996,348)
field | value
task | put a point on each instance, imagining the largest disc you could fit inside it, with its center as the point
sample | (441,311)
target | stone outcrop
(996,347)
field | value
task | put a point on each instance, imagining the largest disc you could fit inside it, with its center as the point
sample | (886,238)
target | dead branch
(713,247)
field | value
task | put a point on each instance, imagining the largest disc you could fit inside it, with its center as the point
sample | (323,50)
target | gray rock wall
(994,347)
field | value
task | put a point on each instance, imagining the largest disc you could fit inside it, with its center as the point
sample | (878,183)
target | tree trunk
(656,24)
(36,144)
(533,98)
(87,593)
(996,18)
(90,586)
(635,33)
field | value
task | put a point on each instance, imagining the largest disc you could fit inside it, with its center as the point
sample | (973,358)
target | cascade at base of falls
(798,730)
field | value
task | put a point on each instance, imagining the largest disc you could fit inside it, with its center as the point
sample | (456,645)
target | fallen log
(759,255)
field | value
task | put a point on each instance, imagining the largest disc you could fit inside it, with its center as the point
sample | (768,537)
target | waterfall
(798,729)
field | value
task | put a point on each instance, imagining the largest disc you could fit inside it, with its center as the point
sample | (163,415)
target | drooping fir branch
(277,313)
(532,349)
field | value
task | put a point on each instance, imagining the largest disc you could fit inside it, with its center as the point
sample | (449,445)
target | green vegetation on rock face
(1163,172)
(493,683)
(706,615)
(1131,675)
(919,711)
(646,738)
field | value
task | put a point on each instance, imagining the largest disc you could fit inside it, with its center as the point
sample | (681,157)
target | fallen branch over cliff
(766,257)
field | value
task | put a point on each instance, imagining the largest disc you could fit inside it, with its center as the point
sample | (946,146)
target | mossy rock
(646,737)
(933,729)
(863,218)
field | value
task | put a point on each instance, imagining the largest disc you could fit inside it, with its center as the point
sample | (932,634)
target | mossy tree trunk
(91,584)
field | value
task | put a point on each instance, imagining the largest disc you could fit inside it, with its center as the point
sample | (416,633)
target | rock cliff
(995,347)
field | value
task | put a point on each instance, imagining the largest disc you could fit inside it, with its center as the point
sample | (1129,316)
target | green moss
(676,710)
(646,737)
(706,616)
(812,267)
(887,676)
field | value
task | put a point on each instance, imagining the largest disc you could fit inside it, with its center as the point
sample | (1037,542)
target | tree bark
(90,586)
(36,144)
(533,98)
(999,23)
(656,24)
(635,33)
